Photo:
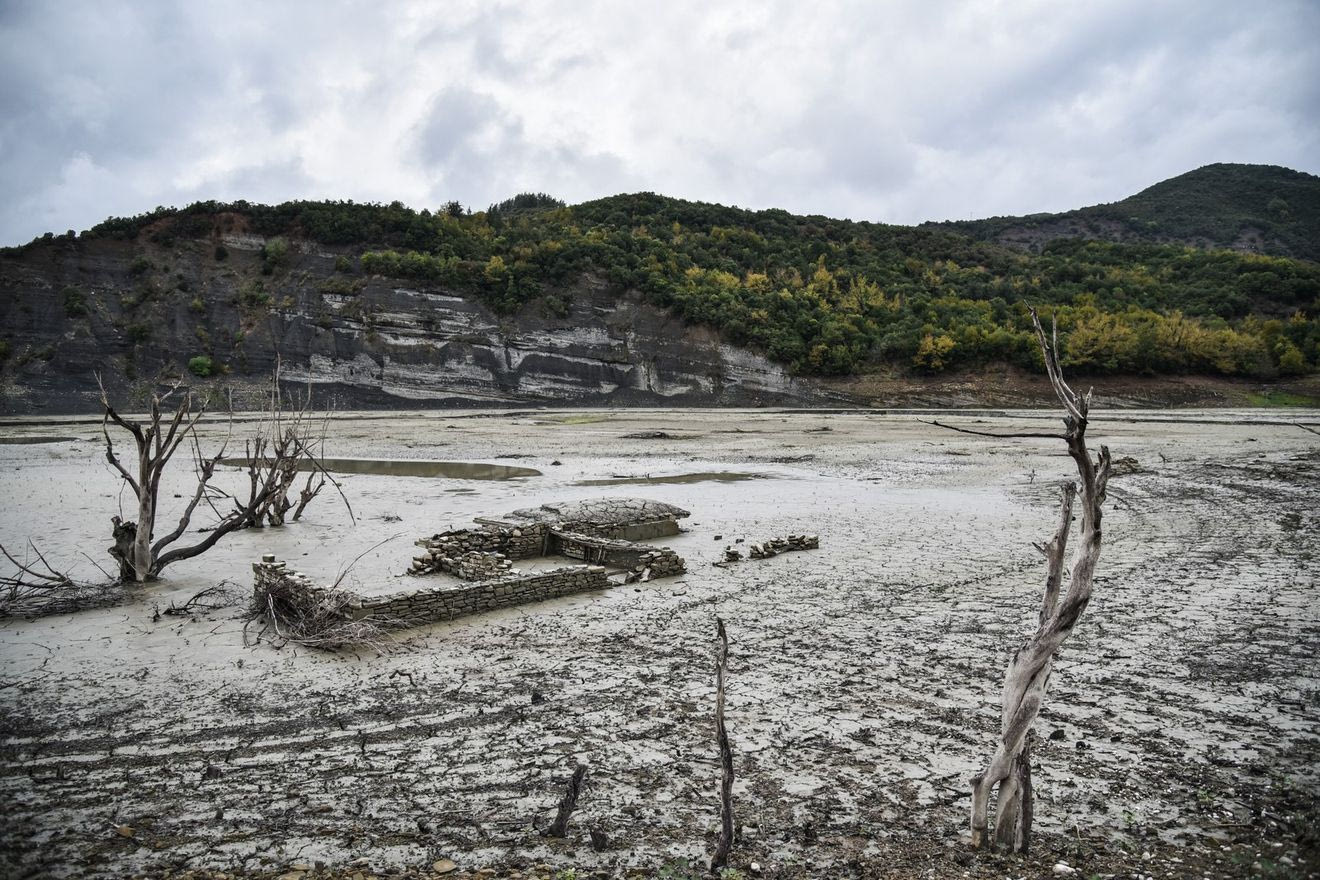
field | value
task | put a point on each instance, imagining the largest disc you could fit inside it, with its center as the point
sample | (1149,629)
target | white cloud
(903,111)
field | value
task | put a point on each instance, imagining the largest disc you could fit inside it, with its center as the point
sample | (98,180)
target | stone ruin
(773,547)
(604,533)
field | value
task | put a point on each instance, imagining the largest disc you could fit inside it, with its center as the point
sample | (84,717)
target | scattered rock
(443,866)
(1063,870)
(1125,465)
(774,547)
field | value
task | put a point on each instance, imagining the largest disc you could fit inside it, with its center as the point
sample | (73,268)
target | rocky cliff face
(134,311)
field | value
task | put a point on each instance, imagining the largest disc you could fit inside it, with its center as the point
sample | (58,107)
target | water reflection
(395,467)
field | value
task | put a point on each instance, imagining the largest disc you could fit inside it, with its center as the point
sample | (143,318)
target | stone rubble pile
(656,564)
(514,542)
(473,565)
(773,547)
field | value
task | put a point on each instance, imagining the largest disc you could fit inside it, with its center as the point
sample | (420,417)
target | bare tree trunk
(125,535)
(1027,677)
(559,828)
(725,841)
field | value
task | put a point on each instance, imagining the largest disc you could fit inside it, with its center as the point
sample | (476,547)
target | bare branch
(348,568)
(1012,436)
(35,590)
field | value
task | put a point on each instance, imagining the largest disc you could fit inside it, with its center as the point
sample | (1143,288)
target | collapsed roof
(600,511)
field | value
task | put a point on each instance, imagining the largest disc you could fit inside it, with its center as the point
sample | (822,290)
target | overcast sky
(893,111)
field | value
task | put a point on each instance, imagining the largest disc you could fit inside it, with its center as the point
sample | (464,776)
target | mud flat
(1181,737)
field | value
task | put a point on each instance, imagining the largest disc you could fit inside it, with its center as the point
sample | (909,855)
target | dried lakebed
(1181,736)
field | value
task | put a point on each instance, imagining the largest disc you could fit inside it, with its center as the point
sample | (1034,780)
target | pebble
(1064,870)
(443,866)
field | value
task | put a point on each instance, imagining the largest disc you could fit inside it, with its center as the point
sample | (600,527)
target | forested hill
(1252,208)
(820,296)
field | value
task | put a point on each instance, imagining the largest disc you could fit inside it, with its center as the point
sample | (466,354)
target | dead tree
(725,842)
(1028,673)
(284,444)
(140,551)
(559,827)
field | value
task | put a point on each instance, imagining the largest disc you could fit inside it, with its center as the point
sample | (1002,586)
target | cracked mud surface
(1182,723)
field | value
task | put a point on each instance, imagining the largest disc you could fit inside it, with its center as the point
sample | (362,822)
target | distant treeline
(826,296)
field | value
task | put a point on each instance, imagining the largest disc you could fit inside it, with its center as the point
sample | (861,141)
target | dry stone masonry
(773,547)
(429,604)
(603,533)
(629,519)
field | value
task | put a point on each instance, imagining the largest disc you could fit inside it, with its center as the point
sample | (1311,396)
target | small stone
(443,866)
(1063,870)
(126,831)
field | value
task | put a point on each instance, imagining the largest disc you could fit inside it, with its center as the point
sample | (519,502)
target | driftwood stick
(725,842)
(559,828)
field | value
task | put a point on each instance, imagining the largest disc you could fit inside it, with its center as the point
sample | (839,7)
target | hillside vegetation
(835,297)
(1261,208)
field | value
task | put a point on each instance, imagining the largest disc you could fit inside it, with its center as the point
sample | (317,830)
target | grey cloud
(901,111)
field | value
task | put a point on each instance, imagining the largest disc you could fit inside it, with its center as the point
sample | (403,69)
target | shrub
(75,302)
(139,266)
(273,253)
(343,264)
(253,295)
(197,305)
(221,253)
(200,366)
(138,333)
(5,350)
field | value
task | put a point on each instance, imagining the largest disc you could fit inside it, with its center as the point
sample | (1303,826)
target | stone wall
(449,602)
(270,574)
(437,603)
(444,551)
(642,561)
(639,531)
(484,552)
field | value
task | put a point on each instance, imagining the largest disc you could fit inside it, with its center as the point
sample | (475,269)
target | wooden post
(725,842)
